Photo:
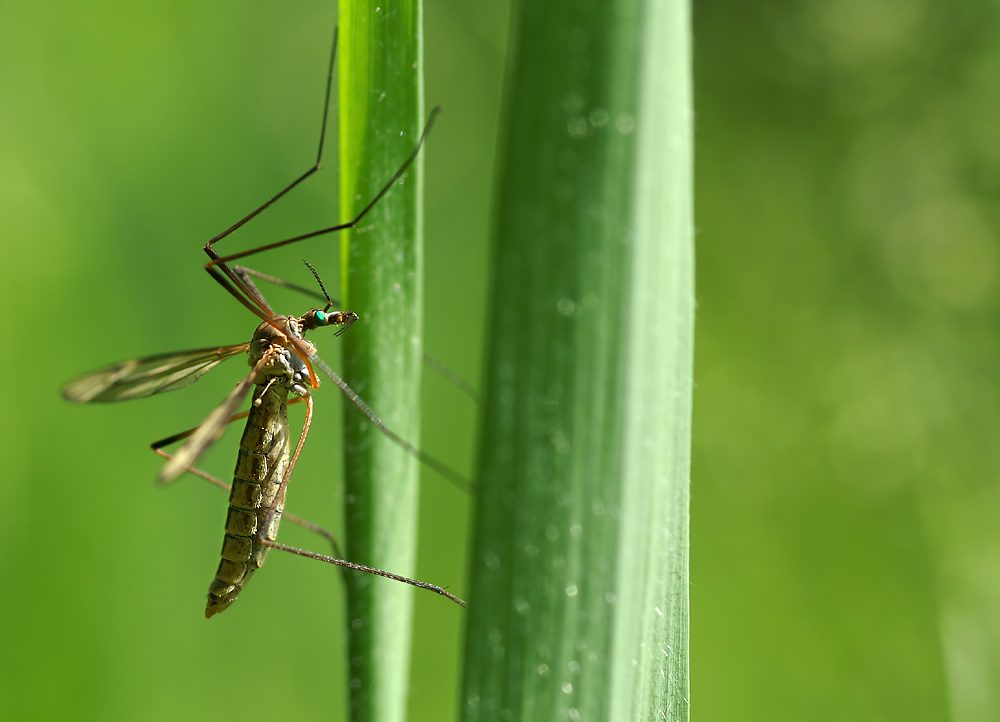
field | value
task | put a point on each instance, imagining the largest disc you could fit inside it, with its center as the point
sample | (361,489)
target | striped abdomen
(262,461)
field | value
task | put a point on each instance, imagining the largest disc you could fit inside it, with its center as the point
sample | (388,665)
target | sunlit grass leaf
(578,603)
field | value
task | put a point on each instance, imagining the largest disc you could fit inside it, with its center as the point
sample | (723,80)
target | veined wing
(141,377)
(210,430)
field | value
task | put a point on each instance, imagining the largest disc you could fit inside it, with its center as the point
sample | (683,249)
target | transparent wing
(141,377)
(210,430)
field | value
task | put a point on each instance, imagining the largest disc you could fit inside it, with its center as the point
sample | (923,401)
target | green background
(845,553)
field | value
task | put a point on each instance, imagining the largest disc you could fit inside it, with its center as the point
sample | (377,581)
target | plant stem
(381,101)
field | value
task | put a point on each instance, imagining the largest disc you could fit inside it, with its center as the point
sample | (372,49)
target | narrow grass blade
(381,102)
(578,603)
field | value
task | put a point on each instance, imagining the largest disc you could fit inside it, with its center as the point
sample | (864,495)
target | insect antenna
(315,273)
(438,366)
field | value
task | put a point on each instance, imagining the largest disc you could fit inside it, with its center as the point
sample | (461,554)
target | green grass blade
(578,602)
(381,102)
(650,649)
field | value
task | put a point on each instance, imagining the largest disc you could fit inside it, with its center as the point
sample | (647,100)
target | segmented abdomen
(263,458)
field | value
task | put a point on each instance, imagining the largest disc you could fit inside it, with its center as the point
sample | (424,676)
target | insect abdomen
(260,467)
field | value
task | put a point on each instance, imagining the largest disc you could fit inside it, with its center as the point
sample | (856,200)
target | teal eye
(321,318)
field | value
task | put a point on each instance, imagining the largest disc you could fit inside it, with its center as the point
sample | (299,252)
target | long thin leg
(245,292)
(217,267)
(211,428)
(453,476)
(247,274)
(460,383)
(336,559)
(315,167)
(322,557)
(280,495)
(316,528)
(220,260)
(362,568)
(157,445)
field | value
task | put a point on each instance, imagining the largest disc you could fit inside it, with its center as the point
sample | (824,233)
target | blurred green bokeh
(845,549)
(845,545)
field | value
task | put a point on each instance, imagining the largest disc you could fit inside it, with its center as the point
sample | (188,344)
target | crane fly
(283,364)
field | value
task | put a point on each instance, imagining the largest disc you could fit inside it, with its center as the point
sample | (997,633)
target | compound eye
(320,318)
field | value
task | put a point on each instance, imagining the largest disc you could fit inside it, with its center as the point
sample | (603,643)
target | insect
(282,364)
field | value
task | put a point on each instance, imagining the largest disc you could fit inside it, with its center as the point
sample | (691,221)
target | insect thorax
(282,364)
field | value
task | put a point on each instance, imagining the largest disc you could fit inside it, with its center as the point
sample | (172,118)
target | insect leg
(217,266)
(157,447)
(464,386)
(295,519)
(453,476)
(362,568)
(211,428)
(279,497)
(224,260)
(245,273)
(262,534)
(315,167)
(450,474)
